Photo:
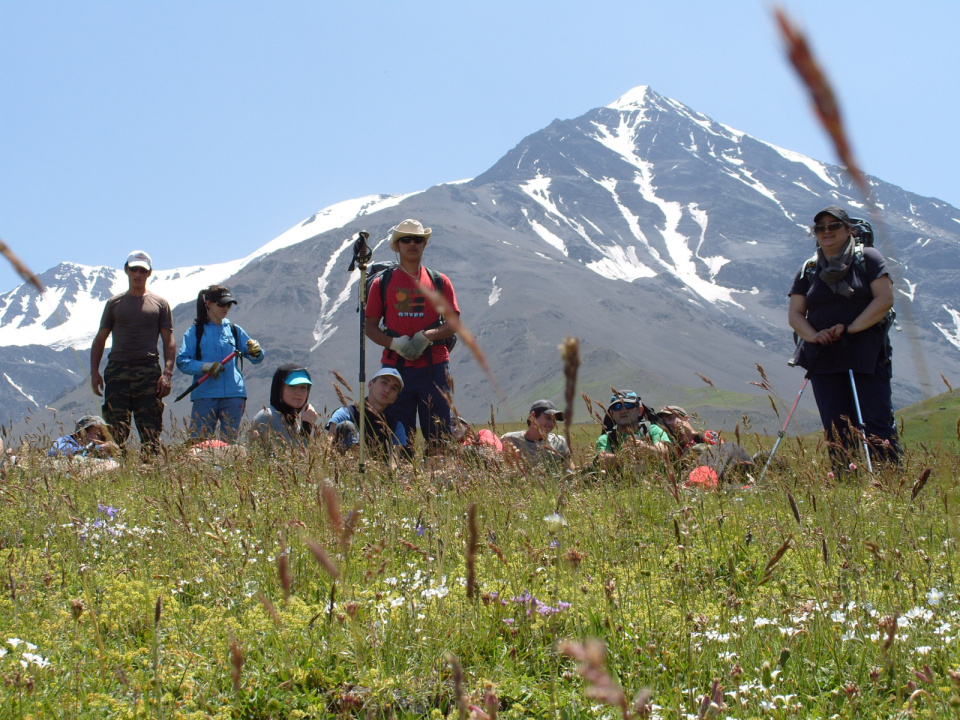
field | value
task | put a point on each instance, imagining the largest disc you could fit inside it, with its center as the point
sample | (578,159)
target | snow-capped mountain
(665,240)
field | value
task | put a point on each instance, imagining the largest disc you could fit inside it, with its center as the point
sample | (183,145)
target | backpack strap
(199,334)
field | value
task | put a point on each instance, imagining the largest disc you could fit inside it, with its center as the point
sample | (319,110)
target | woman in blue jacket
(222,397)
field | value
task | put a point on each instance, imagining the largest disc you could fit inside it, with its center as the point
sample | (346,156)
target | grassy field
(290,587)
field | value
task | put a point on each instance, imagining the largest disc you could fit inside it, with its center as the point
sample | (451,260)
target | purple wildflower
(109,510)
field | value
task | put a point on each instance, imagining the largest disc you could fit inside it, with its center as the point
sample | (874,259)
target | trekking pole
(203,377)
(361,256)
(783,430)
(860,426)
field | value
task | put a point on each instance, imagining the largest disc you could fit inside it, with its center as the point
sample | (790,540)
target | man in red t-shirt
(414,335)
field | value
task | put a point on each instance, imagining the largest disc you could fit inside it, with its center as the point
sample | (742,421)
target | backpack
(236,341)
(384,270)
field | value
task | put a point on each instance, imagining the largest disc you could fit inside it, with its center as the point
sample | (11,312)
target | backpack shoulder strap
(199,334)
(236,345)
(384,281)
(808,267)
(436,279)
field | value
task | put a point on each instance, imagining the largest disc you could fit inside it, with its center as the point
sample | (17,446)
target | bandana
(833,271)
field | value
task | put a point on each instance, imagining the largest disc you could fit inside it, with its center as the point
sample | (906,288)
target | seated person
(625,430)
(482,445)
(714,457)
(382,436)
(290,415)
(89,439)
(538,445)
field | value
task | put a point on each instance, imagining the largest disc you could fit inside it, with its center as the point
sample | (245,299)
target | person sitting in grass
(481,446)
(712,457)
(385,438)
(627,435)
(538,445)
(90,439)
(290,415)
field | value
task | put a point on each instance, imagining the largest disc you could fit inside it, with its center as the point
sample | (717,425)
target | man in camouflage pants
(133,383)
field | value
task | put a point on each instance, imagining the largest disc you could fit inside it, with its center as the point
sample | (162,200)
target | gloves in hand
(253,348)
(401,346)
(418,343)
(213,369)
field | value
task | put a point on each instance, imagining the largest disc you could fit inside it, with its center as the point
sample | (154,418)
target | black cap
(838,212)
(220,297)
(545,406)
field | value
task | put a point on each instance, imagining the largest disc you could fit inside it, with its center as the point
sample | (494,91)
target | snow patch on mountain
(20,390)
(634,99)
(494,293)
(952,334)
(324,328)
(817,168)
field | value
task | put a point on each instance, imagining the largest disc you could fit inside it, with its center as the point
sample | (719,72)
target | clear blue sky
(199,131)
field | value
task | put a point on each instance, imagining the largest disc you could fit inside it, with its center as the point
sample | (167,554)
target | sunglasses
(829,227)
(415,239)
(624,406)
(138,270)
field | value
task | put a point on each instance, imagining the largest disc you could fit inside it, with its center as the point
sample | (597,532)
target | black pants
(838,413)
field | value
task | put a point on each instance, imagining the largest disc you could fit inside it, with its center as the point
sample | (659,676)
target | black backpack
(384,270)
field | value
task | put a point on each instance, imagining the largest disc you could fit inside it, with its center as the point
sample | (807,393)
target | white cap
(138,258)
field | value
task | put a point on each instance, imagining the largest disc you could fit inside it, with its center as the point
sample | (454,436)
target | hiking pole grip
(203,377)
(361,252)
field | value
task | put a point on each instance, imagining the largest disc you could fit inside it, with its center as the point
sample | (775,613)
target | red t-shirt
(408,311)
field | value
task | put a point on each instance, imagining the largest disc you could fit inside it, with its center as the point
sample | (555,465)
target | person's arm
(797,316)
(244,338)
(371,327)
(308,418)
(187,354)
(96,355)
(169,357)
(882,289)
(442,332)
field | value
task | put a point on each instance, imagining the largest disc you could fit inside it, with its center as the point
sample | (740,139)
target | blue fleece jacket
(215,345)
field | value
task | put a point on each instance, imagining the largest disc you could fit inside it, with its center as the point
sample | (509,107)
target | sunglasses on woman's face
(415,239)
(624,406)
(829,227)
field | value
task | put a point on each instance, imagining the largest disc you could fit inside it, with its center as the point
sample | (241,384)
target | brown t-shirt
(136,323)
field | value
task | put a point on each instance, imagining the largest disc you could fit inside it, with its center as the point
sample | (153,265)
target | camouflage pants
(132,390)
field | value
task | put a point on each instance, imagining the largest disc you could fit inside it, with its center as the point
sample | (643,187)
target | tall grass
(269,587)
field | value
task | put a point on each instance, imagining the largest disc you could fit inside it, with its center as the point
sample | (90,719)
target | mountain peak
(634,99)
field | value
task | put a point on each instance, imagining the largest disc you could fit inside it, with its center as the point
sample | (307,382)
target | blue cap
(629,396)
(389,372)
(298,377)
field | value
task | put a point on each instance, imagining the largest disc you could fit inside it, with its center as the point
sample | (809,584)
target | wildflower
(109,510)
(555,522)
(934,597)
(923,650)
(761,621)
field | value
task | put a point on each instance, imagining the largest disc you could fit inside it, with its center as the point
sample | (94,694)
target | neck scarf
(833,271)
